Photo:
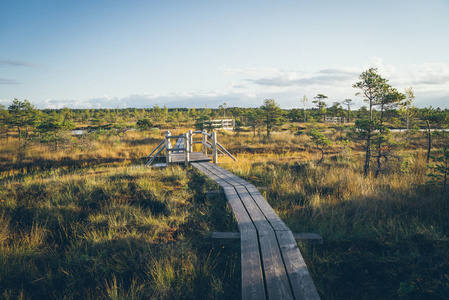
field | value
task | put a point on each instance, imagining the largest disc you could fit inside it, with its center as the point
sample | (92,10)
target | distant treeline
(22,116)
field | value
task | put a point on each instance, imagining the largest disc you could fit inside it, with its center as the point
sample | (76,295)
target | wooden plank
(179,143)
(240,213)
(179,146)
(276,279)
(224,171)
(194,157)
(201,168)
(215,178)
(177,150)
(300,279)
(210,167)
(261,202)
(220,181)
(254,212)
(310,237)
(252,277)
(231,178)
(234,177)
(244,221)
(206,172)
(222,174)
(272,217)
(176,136)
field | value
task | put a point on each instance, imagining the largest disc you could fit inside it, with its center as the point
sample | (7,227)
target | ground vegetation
(85,220)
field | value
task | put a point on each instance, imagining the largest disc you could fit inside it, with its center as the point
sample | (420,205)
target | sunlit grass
(104,233)
(396,222)
(90,222)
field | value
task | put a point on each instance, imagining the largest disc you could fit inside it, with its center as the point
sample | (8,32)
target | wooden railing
(184,146)
(334,120)
(228,124)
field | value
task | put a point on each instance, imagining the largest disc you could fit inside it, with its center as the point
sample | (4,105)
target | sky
(118,54)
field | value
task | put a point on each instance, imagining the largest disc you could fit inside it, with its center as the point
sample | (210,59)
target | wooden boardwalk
(272,265)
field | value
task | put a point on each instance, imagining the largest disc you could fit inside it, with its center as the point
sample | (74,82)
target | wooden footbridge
(183,151)
(272,265)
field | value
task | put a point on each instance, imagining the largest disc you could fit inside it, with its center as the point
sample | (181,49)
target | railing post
(167,147)
(190,141)
(204,141)
(214,148)
(187,140)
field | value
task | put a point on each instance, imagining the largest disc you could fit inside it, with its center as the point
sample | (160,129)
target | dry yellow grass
(149,213)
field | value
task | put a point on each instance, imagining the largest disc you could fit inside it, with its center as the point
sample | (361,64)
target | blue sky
(108,54)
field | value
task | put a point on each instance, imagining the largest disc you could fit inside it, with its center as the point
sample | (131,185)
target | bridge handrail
(214,145)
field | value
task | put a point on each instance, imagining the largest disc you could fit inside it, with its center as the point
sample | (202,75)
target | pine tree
(272,114)
(377,92)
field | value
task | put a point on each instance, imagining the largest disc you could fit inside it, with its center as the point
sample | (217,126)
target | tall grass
(92,152)
(385,237)
(124,233)
(85,223)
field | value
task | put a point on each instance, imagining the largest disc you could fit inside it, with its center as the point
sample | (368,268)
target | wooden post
(167,147)
(187,146)
(190,141)
(214,148)
(204,141)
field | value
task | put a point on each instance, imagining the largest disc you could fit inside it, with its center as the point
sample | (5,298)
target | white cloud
(347,71)
(176,99)
(423,76)
(250,86)
(8,81)
(16,63)
(430,83)
(429,74)
(290,80)
(251,71)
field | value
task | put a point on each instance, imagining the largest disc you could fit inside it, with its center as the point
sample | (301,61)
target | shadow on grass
(376,250)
